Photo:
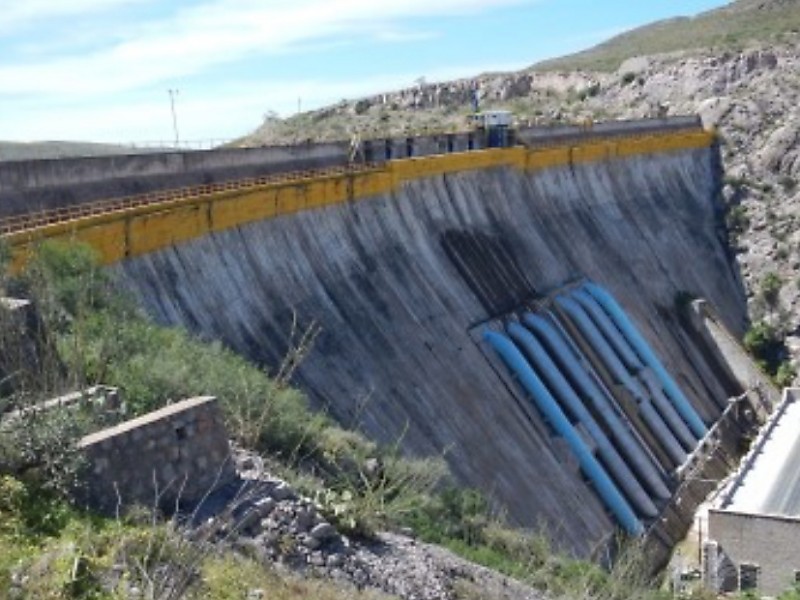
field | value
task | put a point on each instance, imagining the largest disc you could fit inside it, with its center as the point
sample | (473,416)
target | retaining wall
(166,459)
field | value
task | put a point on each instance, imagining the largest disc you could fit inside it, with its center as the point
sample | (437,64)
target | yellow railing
(137,225)
(68,213)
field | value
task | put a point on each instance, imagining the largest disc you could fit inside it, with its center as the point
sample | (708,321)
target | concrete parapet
(539,135)
(20,342)
(23,175)
(32,185)
(731,354)
(119,233)
(101,398)
(166,459)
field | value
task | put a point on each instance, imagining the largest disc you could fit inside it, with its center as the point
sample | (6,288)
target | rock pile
(264,517)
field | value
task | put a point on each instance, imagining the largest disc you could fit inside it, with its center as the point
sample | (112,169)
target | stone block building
(755,530)
(168,459)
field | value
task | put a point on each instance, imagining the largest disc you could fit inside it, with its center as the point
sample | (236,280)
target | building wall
(770,542)
(178,454)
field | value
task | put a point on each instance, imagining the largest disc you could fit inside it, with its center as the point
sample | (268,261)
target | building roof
(769,479)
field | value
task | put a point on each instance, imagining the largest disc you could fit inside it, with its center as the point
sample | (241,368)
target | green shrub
(40,445)
(30,512)
(5,258)
(455,514)
(785,374)
(737,220)
(771,286)
(106,341)
(66,280)
(761,339)
(361,486)
(768,349)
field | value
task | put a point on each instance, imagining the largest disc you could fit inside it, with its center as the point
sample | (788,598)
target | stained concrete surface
(34,185)
(398,282)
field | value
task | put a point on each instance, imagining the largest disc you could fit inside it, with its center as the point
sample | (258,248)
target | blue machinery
(561,381)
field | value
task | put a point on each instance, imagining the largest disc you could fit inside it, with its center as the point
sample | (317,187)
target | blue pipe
(611,496)
(624,351)
(621,375)
(631,448)
(544,367)
(681,403)
(609,330)
(667,410)
(598,342)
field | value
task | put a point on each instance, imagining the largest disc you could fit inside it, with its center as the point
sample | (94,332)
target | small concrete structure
(756,527)
(168,459)
(19,343)
(102,399)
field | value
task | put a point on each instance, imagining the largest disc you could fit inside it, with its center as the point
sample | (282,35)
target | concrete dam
(514,310)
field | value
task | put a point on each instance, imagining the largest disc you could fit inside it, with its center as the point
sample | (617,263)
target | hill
(731,27)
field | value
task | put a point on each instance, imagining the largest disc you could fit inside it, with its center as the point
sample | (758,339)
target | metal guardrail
(33,220)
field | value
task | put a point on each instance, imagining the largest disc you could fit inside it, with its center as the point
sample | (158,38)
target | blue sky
(100,69)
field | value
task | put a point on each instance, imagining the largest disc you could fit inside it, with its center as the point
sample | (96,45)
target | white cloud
(215,33)
(230,111)
(117,90)
(395,36)
(23,12)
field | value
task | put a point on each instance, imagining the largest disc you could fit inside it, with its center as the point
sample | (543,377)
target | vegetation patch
(765,343)
(48,549)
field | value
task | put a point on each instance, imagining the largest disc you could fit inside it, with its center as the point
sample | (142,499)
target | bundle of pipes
(584,364)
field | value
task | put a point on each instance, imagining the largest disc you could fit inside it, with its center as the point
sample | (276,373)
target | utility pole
(172,94)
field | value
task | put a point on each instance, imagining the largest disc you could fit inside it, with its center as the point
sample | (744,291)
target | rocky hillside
(751,95)
(731,27)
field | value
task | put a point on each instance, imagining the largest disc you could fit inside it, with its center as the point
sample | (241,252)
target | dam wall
(404,270)
(119,228)
(38,185)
